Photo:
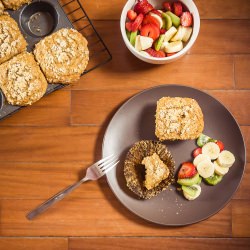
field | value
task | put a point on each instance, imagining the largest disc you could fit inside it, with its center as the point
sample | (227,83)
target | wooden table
(48,146)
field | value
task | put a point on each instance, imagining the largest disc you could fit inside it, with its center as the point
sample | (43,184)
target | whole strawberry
(143,6)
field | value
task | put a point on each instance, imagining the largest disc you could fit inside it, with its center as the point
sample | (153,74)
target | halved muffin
(148,168)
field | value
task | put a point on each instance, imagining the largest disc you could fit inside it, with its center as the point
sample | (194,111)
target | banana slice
(144,53)
(146,42)
(199,158)
(191,192)
(173,47)
(181,31)
(138,43)
(205,168)
(170,33)
(226,159)
(211,149)
(187,34)
(158,18)
(220,170)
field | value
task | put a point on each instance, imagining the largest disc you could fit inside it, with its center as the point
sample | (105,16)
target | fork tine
(107,161)
(104,159)
(109,167)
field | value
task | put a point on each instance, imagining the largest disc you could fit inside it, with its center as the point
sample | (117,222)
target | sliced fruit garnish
(131,15)
(181,31)
(137,22)
(168,21)
(150,19)
(155,53)
(187,170)
(177,8)
(197,152)
(191,192)
(203,139)
(205,168)
(187,34)
(211,149)
(189,181)
(221,145)
(226,159)
(128,26)
(143,6)
(167,6)
(150,30)
(199,158)
(146,42)
(186,19)
(213,180)
(128,34)
(175,19)
(220,170)
(170,33)
(158,19)
(138,43)
(173,47)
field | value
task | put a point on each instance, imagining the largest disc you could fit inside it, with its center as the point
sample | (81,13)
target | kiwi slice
(199,181)
(128,34)
(190,190)
(159,42)
(133,35)
(214,179)
(189,181)
(168,21)
(175,19)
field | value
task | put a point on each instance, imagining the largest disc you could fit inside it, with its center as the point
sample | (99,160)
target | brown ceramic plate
(134,121)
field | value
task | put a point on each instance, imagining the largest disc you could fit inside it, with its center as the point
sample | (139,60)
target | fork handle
(54,199)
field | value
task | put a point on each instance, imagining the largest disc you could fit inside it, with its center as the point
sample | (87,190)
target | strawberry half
(171,54)
(187,170)
(128,26)
(131,15)
(197,152)
(137,22)
(150,30)
(155,53)
(162,31)
(167,6)
(186,19)
(143,6)
(149,19)
(221,145)
(177,8)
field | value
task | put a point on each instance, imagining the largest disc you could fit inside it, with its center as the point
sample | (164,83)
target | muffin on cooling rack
(148,168)
(21,80)
(1,8)
(62,56)
(12,41)
(14,4)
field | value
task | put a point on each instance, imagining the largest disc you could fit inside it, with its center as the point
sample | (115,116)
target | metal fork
(94,172)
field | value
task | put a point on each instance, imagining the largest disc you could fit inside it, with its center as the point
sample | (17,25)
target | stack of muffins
(59,58)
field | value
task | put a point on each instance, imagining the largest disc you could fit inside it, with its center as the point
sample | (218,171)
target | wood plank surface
(49,145)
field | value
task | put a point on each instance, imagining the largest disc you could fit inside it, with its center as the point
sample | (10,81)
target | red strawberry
(177,8)
(137,22)
(131,15)
(197,151)
(155,53)
(162,31)
(171,54)
(149,19)
(128,26)
(186,19)
(150,30)
(221,145)
(143,6)
(187,170)
(167,6)
(157,12)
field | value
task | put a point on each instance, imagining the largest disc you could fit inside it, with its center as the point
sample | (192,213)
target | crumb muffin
(21,80)
(178,118)
(62,56)
(14,4)
(1,8)
(12,41)
(148,168)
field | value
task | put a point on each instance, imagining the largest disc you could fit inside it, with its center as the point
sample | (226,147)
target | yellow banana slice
(211,149)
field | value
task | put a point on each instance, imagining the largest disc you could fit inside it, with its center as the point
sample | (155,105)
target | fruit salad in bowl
(159,32)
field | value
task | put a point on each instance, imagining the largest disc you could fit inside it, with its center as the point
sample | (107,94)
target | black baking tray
(43,17)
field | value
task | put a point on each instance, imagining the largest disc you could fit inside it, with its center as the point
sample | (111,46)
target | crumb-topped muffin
(62,56)
(12,41)
(14,4)
(21,80)
(1,8)
(178,118)
(148,168)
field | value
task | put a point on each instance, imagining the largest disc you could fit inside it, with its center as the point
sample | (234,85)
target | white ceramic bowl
(158,5)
